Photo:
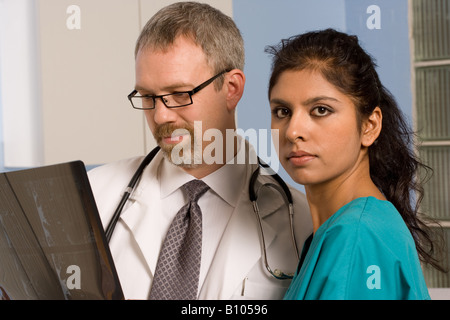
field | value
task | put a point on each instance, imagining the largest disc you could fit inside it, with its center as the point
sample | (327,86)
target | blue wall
(389,45)
(266,22)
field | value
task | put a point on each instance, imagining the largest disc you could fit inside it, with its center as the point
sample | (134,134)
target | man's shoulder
(116,167)
(117,172)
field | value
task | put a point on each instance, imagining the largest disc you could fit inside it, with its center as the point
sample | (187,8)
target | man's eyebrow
(139,88)
(168,88)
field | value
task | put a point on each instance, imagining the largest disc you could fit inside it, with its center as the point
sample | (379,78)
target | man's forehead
(163,74)
(165,45)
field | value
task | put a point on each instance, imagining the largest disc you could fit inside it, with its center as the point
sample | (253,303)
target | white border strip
(19,78)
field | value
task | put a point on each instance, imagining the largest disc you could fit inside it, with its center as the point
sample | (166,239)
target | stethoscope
(281,187)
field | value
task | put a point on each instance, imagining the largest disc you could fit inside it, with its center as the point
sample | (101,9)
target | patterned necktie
(178,268)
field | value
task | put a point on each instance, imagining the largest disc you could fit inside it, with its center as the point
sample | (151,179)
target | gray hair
(209,28)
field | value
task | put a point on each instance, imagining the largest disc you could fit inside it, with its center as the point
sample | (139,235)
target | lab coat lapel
(238,251)
(142,214)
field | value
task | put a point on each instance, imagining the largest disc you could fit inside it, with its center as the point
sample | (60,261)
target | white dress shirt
(217,204)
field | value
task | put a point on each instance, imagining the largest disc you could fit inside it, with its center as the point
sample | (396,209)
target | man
(189,79)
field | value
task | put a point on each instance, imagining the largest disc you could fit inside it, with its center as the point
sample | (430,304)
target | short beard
(182,159)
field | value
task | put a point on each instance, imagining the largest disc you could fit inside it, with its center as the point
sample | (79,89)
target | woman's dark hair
(394,167)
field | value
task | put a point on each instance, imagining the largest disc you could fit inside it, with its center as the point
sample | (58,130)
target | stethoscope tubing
(128,191)
(252,195)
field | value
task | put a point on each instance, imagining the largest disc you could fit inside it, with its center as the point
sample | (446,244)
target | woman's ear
(235,82)
(371,127)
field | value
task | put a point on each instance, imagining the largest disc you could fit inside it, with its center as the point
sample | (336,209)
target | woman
(343,137)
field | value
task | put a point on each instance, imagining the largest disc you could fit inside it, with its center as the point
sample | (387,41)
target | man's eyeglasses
(172,100)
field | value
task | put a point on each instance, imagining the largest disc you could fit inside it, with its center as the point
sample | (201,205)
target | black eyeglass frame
(190,92)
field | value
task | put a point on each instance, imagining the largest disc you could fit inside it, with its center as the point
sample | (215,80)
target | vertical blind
(436,202)
(431,38)
(433,102)
(435,278)
(431,29)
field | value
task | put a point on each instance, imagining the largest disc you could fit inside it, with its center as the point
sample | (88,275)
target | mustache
(166,130)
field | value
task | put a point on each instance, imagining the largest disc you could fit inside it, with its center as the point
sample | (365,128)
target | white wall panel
(87,69)
(19,78)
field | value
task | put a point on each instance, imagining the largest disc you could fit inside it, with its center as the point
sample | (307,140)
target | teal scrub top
(362,252)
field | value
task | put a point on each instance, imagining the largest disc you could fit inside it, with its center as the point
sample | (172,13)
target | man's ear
(371,127)
(235,82)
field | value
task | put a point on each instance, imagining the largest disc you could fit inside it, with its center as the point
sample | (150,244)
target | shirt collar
(171,177)
(226,182)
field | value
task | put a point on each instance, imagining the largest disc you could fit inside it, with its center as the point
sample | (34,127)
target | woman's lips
(300,158)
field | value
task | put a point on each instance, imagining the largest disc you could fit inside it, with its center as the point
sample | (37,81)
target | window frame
(439,292)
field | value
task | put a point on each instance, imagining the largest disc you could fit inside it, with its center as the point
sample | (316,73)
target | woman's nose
(297,127)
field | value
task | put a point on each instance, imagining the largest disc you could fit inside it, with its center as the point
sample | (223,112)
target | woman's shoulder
(368,240)
(367,211)
(370,220)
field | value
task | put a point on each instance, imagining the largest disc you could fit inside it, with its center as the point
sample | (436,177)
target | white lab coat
(237,270)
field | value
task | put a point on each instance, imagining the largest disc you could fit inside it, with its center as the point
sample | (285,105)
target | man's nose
(162,114)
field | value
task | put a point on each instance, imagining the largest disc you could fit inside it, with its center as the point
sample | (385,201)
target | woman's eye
(320,111)
(281,113)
